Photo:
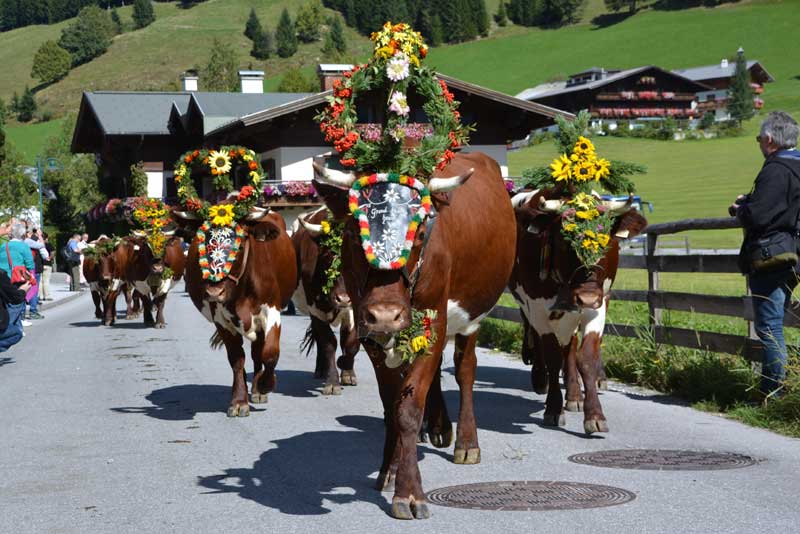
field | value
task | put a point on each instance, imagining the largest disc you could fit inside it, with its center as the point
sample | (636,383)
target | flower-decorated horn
(256,213)
(519,200)
(168,233)
(311,228)
(550,205)
(615,207)
(332,177)
(443,185)
(186,215)
(139,233)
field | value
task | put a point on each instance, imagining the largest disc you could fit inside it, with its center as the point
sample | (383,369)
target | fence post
(652,282)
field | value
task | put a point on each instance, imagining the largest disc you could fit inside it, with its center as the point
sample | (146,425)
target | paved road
(123,430)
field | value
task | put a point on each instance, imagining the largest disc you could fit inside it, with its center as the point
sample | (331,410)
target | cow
(560,298)
(98,285)
(458,266)
(328,308)
(247,302)
(135,266)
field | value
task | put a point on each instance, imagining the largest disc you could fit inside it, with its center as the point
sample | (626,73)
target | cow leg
(130,296)
(348,340)
(553,356)
(436,423)
(535,358)
(588,360)
(97,299)
(467,450)
(147,305)
(409,499)
(111,308)
(602,379)
(326,356)
(233,346)
(388,386)
(573,388)
(268,353)
(158,303)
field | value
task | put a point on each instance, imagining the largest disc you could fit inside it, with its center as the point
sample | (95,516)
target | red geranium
(245,192)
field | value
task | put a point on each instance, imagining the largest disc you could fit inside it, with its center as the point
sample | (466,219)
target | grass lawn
(31,138)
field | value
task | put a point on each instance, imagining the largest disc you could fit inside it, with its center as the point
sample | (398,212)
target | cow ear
(629,224)
(335,198)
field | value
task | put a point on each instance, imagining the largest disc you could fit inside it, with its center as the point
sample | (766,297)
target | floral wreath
(396,65)
(151,215)
(202,252)
(363,221)
(416,340)
(219,163)
(586,223)
(331,239)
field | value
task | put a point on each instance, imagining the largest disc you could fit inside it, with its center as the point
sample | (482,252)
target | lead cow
(560,298)
(247,303)
(328,307)
(458,266)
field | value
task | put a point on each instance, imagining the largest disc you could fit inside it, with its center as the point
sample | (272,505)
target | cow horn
(139,233)
(256,213)
(550,205)
(333,177)
(168,233)
(186,215)
(520,199)
(311,228)
(615,207)
(443,185)
(91,245)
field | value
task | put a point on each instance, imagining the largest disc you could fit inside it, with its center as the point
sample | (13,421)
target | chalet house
(123,128)
(718,79)
(643,93)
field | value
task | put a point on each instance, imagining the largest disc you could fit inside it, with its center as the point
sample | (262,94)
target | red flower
(348,162)
(245,192)
(447,157)
(423,52)
(253,165)
(337,84)
(453,140)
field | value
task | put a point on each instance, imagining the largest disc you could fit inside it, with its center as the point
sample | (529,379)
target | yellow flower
(385,52)
(326,227)
(583,201)
(419,343)
(602,169)
(561,168)
(407,48)
(589,233)
(570,227)
(587,215)
(583,146)
(158,223)
(603,239)
(255,176)
(247,157)
(414,60)
(590,244)
(583,170)
(139,214)
(181,171)
(221,215)
(219,161)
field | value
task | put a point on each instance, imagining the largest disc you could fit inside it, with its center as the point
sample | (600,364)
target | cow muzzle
(589,299)
(216,293)
(385,318)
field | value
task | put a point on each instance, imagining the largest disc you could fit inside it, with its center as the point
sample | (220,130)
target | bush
(295,82)
(89,36)
(309,19)
(51,63)
(285,38)
(143,14)
(220,74)
(501,335)
(27,106)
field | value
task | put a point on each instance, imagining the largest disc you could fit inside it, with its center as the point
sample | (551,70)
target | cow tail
(216,341)
(308,341)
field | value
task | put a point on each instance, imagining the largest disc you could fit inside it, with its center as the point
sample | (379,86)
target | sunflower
(221,215)
(583,201)
(602,169)
(583,146)
(603,239)
(583,171)
(219,162)
(561,168)
(326,227)
(587,215)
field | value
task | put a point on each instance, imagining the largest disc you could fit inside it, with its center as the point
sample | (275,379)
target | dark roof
(221,108)
(712,72)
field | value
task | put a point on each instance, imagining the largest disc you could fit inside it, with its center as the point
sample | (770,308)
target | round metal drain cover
(664,460)
(529,496)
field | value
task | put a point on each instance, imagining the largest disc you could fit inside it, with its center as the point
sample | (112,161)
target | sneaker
(36,315)
(26,323)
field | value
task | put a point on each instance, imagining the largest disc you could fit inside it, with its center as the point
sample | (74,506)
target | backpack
(69,255)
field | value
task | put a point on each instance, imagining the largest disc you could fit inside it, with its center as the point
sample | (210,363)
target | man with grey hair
(771,209)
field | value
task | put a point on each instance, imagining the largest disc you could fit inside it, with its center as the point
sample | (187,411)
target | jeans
(772,294)
(13,333)
(34,303)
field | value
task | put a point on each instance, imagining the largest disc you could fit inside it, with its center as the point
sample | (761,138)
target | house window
(269,168)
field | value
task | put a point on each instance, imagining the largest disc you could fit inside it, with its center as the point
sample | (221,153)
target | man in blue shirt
(74,263)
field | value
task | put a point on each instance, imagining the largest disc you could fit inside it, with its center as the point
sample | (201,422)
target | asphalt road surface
(123,429)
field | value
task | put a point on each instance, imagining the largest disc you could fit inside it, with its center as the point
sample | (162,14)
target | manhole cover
(664,460)
(529,495)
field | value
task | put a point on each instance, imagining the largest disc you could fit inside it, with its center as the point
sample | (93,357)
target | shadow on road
(6,361)
(487,376)
(182,403)
(121,326)
(498,412)
(297,383)
(303,475)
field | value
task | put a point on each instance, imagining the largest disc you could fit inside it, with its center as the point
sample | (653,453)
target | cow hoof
(239,410)
(554,420)
(467,456)
(349,378)
(331,389)
(160,325)
(385,482)
(574,406)
(602,384)
(595,425)
(443,438)
(130,317)
(259,398)
(401,509)
(420,510)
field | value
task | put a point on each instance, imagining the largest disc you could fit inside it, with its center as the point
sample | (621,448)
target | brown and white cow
(135,265)
(99,285)
(560,298)
(247,303)
(327,309)
(466,258)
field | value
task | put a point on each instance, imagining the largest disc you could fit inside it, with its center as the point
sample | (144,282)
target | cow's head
(381,248)
(317,261)
(150,247)
(219,281)
(541,216)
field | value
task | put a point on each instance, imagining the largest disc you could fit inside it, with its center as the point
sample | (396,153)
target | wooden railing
(658,300)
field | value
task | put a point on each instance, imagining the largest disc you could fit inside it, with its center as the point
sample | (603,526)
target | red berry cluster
(345,143)
(447,157)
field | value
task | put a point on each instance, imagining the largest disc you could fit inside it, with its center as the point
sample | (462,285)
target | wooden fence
(657,300)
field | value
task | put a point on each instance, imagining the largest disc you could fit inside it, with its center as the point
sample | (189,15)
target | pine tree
(450,15)
(14,107)
(263,47)
(285,38)
(501,18)
(481,17)
(27,106)
(116,20)
(308,21)
(51,63)
(143,14)
(220,73)
(335,43)
(253,26)
(740,95)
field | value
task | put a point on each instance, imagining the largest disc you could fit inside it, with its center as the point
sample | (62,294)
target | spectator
(770,211)
(73,258)
(12,307)
(16,253)
(39,253)
(82,244)
(47,269)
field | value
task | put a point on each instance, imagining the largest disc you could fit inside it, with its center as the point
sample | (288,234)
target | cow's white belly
(163,287)
(265,320)
(458,320)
